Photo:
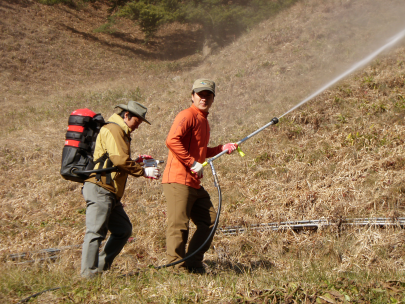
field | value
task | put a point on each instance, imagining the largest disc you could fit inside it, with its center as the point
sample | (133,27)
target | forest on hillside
(218,18)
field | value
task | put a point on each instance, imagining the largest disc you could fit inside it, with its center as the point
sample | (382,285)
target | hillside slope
(339,156)
(46,50)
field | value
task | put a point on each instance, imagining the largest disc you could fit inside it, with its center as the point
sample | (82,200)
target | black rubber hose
(37,294)
(214,228)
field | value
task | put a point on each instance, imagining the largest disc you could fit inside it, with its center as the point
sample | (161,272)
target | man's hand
(200,174)
(151,172)
(197,168)
(141,158)
(230,147)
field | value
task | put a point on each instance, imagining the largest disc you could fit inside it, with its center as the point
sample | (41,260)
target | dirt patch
(48,48)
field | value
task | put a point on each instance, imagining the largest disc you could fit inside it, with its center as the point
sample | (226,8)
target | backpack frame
(77,155)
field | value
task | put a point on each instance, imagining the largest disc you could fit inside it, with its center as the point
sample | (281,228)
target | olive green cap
(204,85)
(135,108)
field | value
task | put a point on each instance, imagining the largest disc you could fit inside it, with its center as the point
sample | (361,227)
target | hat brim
(140,117)
(198,90)
(125,107)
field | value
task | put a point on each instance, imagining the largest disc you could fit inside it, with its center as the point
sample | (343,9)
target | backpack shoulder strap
(106,158)
(120,128)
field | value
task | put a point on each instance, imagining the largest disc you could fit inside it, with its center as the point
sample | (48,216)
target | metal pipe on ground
(314,224)
(235,230)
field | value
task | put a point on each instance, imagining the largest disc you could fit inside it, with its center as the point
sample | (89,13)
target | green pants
(104,213)
(185,203)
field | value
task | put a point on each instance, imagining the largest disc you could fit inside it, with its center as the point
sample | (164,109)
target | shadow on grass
(167,47)
(109,44)
(23,3)
(238,268)
(173,47)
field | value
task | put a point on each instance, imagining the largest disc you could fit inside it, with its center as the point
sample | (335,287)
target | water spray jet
(391,42)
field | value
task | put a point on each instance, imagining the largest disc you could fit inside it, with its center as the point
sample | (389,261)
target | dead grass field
(339,156)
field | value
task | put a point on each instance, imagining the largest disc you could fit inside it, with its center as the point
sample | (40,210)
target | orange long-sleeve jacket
(187,142)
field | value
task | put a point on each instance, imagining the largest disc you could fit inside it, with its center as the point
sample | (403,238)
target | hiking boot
(90,275)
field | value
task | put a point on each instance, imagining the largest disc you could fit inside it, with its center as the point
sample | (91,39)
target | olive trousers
(185,203)
(104,213)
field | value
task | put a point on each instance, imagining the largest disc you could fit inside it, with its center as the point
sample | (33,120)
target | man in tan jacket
(103,192)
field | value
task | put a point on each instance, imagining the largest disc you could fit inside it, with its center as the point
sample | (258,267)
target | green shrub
(218,18)
(107,27)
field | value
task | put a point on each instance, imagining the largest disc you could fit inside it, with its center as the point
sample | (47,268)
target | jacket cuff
(191,162)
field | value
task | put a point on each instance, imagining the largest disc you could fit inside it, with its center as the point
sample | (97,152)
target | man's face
(203,100)
(132,123)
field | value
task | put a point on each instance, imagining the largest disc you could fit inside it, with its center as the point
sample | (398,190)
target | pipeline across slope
(315,224)
(377,222)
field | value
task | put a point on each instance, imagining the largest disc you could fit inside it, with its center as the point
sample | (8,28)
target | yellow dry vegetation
(339,156)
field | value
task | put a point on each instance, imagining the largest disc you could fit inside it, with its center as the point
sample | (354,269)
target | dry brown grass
(341,155)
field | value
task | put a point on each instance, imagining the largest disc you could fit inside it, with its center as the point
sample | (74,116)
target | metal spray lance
(272,122)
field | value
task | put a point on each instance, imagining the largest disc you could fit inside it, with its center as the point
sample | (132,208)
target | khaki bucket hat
(204,85)
(135,108)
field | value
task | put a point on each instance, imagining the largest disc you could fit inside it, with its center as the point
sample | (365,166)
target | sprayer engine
(152,162)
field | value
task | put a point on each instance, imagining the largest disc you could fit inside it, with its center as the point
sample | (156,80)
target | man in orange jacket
(186,199)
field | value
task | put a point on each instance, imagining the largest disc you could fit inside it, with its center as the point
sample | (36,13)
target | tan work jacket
(115,139)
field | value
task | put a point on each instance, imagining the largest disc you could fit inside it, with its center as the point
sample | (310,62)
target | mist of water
(391,42)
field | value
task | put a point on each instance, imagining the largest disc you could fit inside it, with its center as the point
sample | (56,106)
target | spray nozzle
(275,120)
(240,152)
